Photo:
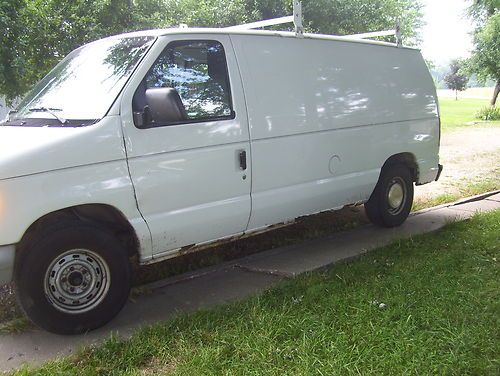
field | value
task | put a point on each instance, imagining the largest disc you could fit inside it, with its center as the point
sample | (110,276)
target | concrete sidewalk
(234,280)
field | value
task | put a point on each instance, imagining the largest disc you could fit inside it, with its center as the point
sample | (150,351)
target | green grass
(441,316)
(465,189)
(455,114)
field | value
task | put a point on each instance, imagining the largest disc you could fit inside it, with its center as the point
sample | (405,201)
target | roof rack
(296,18)
(396,32)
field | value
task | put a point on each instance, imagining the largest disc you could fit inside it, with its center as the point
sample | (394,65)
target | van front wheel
(391,201)
(72,278)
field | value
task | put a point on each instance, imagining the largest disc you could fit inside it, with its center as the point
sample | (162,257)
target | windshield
(84,84)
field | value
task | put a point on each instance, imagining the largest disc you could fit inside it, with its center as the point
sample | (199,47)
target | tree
(38,33)
(454,80)
(480,10)
(485,58)
(11,51)
(358,16)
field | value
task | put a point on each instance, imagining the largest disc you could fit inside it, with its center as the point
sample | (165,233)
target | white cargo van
(151,143)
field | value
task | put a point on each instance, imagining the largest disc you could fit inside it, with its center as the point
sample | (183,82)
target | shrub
(489,113)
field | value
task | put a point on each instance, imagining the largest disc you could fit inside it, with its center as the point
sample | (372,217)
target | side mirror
(164,106)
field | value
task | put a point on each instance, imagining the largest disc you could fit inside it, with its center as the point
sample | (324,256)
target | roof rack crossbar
(373,34)
(396,32)
(296,18)
(258,24)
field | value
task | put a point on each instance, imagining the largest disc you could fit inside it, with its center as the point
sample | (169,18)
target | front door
(187,141)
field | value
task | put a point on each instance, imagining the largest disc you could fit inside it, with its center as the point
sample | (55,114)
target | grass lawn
(429,305)
(455,114)
(465,189)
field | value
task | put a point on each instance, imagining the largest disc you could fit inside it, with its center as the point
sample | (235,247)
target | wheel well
(104,215)
(407,159)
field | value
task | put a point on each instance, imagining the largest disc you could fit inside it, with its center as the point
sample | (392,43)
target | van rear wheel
(72,278)
(391,201)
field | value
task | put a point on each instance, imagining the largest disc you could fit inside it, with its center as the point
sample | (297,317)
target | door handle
(243,159)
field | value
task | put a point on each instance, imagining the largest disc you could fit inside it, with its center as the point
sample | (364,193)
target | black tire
(382,209)
(46,274)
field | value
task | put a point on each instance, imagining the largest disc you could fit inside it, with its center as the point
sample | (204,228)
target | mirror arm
(147,117)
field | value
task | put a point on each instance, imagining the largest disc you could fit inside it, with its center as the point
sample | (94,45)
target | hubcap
(77,281)
(396,195)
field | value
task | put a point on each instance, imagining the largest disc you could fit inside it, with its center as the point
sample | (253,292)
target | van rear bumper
(428,174)
(440,169)
(7,254)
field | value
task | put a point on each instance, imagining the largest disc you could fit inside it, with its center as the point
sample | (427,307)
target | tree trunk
(456,95)
(495,93)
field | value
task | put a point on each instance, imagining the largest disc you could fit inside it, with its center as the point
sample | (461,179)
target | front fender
(24,200)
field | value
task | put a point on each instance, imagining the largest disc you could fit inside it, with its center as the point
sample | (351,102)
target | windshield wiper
(51,111)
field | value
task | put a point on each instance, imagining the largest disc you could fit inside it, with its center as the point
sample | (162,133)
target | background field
(461,114)
(471,93)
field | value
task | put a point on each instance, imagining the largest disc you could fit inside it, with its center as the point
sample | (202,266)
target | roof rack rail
(296,18)
(396,32)
(264,23)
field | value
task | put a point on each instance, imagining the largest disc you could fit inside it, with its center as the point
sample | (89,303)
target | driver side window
(188,83)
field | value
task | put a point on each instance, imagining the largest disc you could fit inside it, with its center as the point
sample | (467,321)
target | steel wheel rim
(77,281)
(396,195)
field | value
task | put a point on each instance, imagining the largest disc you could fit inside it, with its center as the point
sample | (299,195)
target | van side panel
(324,117)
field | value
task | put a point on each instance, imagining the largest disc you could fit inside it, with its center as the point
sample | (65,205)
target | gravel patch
(469,155)
(8,307)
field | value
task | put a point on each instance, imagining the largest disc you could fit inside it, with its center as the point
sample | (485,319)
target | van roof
(285,34)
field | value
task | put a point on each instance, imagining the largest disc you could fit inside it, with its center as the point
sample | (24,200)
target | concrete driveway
(233,280)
